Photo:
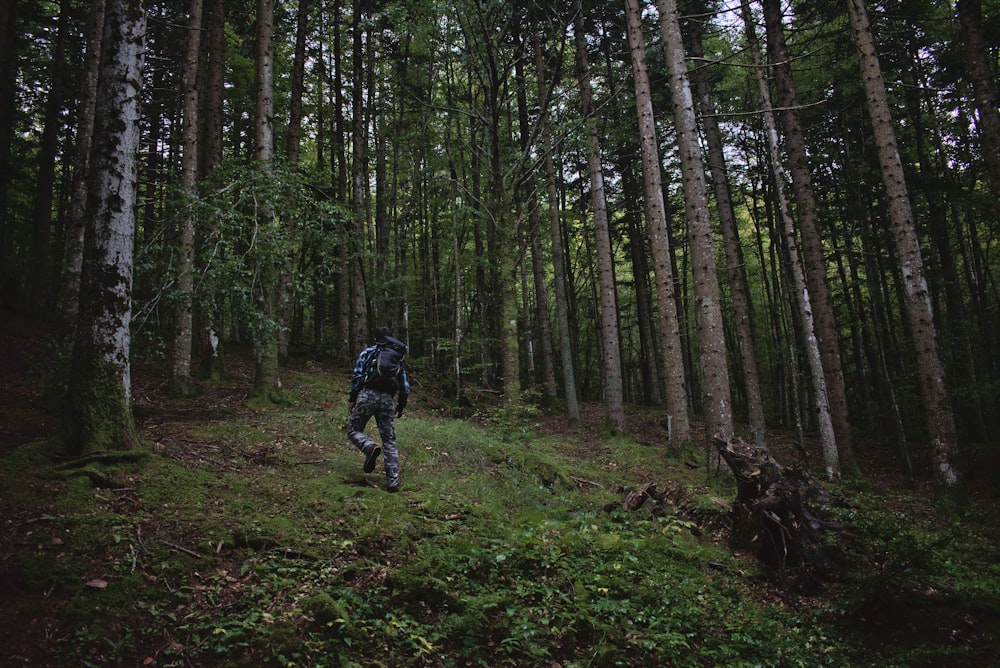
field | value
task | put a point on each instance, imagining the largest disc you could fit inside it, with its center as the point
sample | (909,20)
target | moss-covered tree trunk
(100,415)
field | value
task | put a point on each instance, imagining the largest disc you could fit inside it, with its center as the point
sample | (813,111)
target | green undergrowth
(255,539)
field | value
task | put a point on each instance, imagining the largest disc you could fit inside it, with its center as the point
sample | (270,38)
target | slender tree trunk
(458,332)
(955,326)
(984,84)
(940,420)
(803,300)
(40,286)
(319,290)
(338,162)
(742,305)
(555,232)
(641,271)
(267,382)
(293,135)
(813,256)
(528,189)
(670,336)
(608,299)
(359,188)
(180,379)
(81,166)
(708,311)
(10,46)
(100,389)
(210,345)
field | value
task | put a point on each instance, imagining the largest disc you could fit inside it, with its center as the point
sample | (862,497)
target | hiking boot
(392,483)
(371,454)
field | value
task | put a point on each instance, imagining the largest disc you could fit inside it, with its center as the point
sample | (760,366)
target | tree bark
(41,239)
(813,257)
(708,311)
(180,379)
(528,189)
(608,298)
(267,381)
(293,133)
(100,380)
(984,84)
(555,234)
(802,296)
(10,45)
(670,336)
(641,271)
(85,112)
(338,163)
(210,344)
(742,305)
(940,419)
(359,188)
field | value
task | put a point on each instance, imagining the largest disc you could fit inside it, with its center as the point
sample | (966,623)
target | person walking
(379,374)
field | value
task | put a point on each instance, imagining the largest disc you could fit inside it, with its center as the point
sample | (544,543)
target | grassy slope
(252,537)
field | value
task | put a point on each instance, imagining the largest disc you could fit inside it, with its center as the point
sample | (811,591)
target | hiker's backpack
(385,367)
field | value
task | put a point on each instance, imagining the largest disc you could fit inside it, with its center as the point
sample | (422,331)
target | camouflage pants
(381,406)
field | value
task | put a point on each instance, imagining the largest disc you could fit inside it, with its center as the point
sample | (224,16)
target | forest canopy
(758,215)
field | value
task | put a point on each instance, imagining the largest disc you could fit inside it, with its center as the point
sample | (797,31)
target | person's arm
(358,377)
(404,393)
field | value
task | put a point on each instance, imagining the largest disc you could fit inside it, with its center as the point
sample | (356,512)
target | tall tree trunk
(10,41)
(210,345)
(742,305)
(338,163)
(293,135)
(940,420)
(608,297)
(803,296)
(100,389)
(641,271)
(670,335)
(528,192)
(555,233)
(81,166)
(180,378)
(708,311)
(41,239)
(955,325)
(359,188)
(813,258)
(267,382)
(984,84)
(318,283)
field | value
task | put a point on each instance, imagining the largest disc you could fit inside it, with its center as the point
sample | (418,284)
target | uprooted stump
(784,517)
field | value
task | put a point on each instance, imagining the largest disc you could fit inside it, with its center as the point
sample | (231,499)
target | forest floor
(215,547)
